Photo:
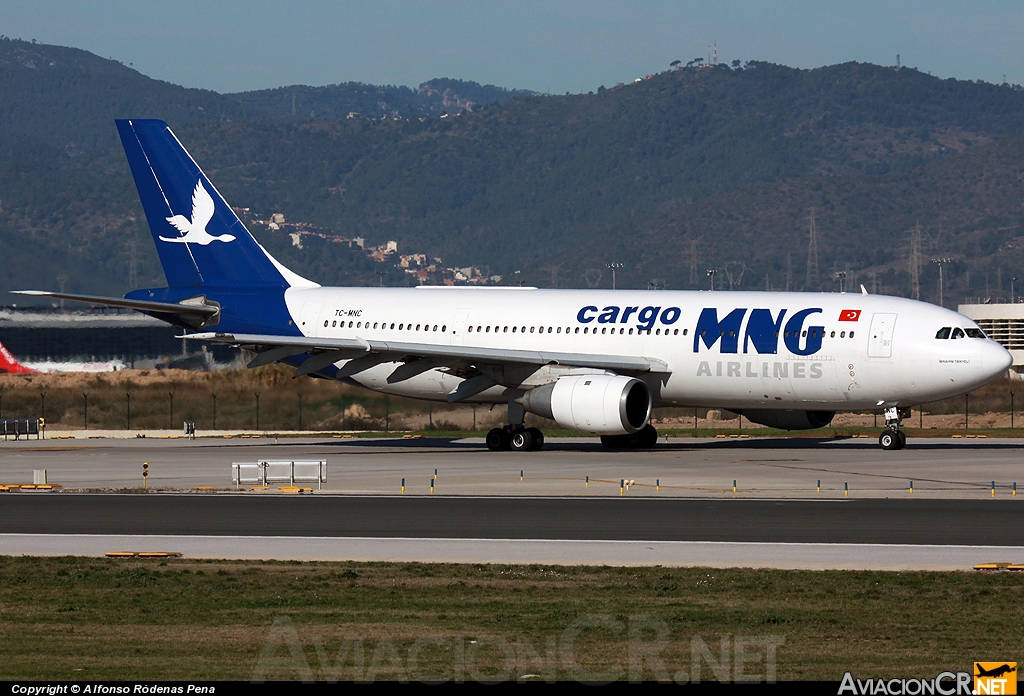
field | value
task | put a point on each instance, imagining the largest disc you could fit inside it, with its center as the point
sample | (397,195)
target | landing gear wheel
(538,437)
(889,439)
(614,441)
(647,437)
(903,439)
(497,440)
(521,441)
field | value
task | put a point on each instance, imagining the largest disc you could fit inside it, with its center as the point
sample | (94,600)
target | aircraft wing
(278,347)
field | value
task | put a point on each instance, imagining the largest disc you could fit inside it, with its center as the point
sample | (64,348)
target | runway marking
(870,475)
(476,540)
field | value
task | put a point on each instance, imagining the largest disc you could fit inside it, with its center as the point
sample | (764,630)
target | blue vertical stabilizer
(201,241)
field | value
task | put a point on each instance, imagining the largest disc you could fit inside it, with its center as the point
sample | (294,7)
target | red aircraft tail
(9,364)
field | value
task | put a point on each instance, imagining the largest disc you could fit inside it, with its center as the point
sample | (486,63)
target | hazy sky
(544,45)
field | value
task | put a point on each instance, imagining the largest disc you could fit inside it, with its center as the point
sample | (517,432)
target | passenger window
(532,328)
(325,323)
(435,327)
(958,332)
(578,330)
(444,327)
(675,332)
(943,333)
(585,329)
(842,334)
(559,330)
(685,331)
(487,330)
(605,329)
(851,334)
(506,330)
(833,335)
(334,324)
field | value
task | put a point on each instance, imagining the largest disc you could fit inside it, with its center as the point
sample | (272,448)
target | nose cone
(995,360)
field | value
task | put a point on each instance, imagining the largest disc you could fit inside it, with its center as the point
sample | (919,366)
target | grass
(89,619)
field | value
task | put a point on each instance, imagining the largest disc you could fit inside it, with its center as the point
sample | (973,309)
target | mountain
(69,97)
(720,162)
(433,98)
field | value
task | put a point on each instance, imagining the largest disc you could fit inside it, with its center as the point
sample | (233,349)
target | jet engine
(604,404)
(789,420)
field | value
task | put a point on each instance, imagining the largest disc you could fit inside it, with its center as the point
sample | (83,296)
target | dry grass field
(90,619)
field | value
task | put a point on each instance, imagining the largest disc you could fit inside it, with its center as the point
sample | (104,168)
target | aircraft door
(460,327)
(309,318)
(880,336)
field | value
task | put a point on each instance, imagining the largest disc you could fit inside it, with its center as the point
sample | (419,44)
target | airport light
(940,262)
(841,277)
(381,274)
(1012,281)
(711,275)
(614,265)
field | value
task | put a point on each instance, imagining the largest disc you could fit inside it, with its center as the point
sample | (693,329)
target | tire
(538,437)
(647,437)
(903,439)
(889,440)
(497,440)
(614,442)
(521,441)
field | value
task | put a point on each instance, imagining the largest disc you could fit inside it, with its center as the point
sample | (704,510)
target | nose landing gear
(892,438)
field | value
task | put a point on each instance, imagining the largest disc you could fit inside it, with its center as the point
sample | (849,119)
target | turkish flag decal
(849,315)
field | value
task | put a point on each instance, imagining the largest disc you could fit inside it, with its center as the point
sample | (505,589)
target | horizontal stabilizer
(201,310)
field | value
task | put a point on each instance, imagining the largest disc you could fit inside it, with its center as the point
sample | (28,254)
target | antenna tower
(812,256)
(693,262)
(915,262)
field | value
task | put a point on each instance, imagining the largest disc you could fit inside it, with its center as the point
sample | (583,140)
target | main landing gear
(645,438)
(892,438)
(516,438)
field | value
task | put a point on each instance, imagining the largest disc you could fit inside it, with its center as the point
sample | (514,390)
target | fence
(22,426)
(265,472)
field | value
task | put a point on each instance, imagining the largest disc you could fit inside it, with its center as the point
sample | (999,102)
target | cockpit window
(958,333)
(975,333)
(943,333)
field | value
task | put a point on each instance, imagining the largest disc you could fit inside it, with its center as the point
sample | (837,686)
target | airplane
(596,361)
(9,364)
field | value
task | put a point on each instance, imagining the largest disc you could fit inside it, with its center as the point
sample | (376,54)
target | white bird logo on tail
(194,230)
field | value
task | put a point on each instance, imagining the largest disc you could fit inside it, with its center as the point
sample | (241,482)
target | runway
(685,467)
(533,507)
(872,521)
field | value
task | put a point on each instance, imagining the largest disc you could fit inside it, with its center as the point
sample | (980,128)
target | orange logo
(995,678)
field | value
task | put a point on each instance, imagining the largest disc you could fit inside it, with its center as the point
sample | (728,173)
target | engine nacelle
(603,404)
(789,420)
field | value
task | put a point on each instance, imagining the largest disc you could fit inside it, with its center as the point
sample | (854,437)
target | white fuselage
(725,349)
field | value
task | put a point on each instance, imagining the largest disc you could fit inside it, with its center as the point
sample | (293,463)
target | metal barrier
(22,426)
(267,471)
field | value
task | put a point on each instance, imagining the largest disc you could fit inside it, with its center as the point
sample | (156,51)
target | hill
(69,97)
(725,162)
(356,99)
